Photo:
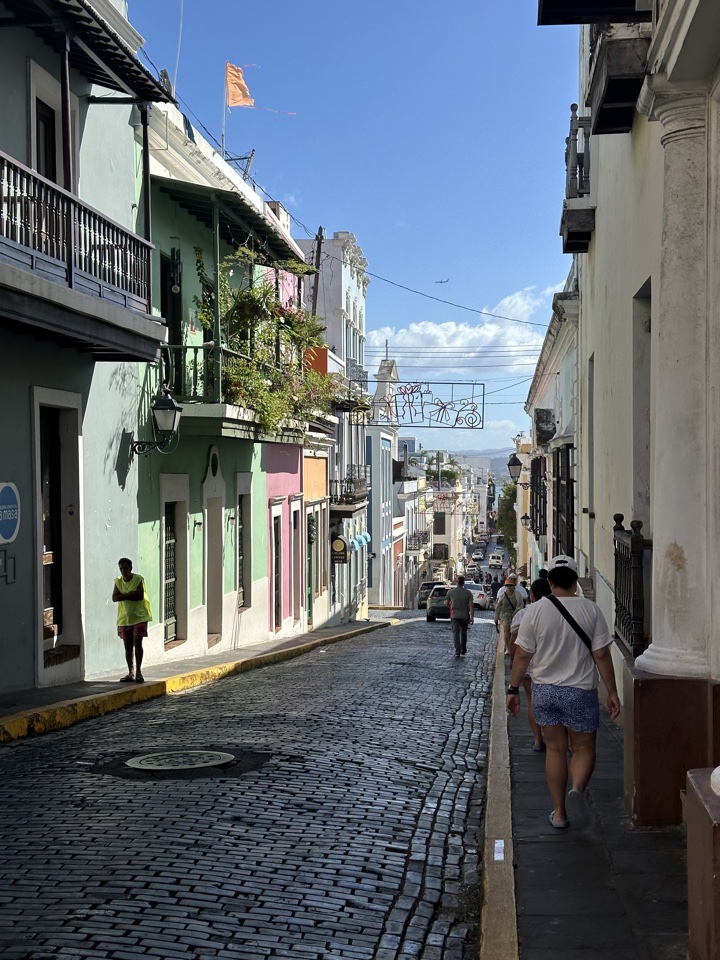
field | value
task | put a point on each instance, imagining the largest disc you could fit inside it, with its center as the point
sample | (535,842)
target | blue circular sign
(9,512)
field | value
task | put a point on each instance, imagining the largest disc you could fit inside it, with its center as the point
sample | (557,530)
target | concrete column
(679,345)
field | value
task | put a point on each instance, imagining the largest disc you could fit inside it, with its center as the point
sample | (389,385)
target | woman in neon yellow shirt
(132,619)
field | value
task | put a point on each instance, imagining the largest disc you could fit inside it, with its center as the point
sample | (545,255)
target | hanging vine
(268,345)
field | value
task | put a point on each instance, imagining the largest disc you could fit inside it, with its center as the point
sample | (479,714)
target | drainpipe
(147,205)
(68,173)
(217,351)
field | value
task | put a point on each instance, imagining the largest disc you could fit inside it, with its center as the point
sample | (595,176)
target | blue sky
(434,133)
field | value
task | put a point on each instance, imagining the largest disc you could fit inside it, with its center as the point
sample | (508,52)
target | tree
(507,518)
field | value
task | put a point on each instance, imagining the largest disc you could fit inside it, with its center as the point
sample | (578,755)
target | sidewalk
(608,890)
(27,712)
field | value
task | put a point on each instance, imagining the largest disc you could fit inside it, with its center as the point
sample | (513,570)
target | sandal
(558,824)
(539,747)
(128,679)
(139,678)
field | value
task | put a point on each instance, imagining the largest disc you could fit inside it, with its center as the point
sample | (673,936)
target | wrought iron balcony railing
(354,487)
(191,371)
(72,243)
(355,372)
(418,541)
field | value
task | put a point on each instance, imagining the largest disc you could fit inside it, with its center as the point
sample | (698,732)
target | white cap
(562,561)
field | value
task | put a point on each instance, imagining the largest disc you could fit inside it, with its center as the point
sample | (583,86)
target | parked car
(437,603)
(424,592)
(471,571)
(478,555)
(500,539)
(496,560)
(480,597)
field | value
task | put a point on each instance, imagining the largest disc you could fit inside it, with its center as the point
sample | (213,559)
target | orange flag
(236,90)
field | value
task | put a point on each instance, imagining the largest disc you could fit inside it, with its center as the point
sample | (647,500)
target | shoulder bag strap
(572,621)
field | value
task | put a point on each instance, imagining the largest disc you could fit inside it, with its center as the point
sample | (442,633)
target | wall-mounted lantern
(166,422)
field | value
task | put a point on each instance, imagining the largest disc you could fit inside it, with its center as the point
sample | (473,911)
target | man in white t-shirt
(565,681)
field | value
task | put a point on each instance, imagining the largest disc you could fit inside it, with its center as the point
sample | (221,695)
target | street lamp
(166,421)
(514,467)
(525,520)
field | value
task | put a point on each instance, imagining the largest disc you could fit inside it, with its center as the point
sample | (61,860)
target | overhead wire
(420,293)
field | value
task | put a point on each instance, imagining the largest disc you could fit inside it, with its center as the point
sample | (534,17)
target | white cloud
(489,350)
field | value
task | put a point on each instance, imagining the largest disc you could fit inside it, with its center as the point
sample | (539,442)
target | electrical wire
(375,276)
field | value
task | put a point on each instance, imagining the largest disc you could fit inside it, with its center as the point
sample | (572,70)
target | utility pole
(318,256)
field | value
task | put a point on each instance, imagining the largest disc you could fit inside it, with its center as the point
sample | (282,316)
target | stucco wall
(109,498)
(623,255)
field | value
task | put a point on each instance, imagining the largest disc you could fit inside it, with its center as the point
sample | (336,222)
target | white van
(496,560)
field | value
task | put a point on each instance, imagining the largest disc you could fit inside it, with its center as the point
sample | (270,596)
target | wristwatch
(513,691)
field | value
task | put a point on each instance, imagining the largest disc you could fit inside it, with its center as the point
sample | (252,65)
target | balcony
(218,400)
(552,12)
(416,543)
(619,67)
(48,232)
(356,373)
(578,216)
(350,494)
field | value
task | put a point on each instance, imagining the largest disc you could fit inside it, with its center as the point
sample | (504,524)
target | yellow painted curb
(498,925)
(57,716)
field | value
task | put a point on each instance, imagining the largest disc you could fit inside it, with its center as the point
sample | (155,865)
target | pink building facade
(286,547)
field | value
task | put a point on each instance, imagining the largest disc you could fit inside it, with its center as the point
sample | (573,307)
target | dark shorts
(135,631)
(573,708)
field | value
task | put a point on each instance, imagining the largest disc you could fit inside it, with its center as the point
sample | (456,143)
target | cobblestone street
(356,836)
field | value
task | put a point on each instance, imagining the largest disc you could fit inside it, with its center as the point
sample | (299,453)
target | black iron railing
(418,540)
(37,214)
(355,486)
(355,371)
(630,547)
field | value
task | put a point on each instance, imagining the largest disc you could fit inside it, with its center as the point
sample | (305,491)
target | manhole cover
(181,760)
(220,762)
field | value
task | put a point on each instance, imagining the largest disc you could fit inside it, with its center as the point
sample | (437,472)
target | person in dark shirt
(495,587)
(462,612)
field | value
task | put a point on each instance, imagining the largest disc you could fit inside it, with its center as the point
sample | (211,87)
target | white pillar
(679,345)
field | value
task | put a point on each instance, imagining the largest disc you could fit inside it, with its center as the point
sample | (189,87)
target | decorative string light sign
(448,405)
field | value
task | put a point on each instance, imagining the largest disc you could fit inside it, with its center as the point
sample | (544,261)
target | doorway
(59,593)
(277,573)
(214,567)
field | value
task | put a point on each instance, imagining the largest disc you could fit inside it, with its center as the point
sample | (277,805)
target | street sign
(9,512)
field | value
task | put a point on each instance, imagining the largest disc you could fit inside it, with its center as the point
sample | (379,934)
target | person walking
(132,617)
(519,590)
(568,641)
(462,613)
(538,589)
(495,587)
(507,605)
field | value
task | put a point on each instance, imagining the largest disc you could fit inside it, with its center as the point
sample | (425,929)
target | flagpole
(222,138)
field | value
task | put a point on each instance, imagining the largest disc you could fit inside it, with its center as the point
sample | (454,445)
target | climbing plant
(267,346)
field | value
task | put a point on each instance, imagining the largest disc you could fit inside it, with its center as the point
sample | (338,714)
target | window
(564,526)
(46,144)
(169,578)
(45,140)
(440,524)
